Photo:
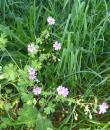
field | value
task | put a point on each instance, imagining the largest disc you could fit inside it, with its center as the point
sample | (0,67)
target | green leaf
(50,108)
(5,123)
(10,72)
(42,123)
(23,79)
(27,115)
(3,41)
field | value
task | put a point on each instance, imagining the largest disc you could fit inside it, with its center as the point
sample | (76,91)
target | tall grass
(84,41)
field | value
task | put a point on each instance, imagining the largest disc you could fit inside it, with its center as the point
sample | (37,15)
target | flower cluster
(50,20)
(62,91)
(103,108)
(32,73)
(57,46)
(37,90)
(32,48)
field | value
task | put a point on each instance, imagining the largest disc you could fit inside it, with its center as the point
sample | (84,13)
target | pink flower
(32,77)
(50,20)
(32,73)
(32,48)
(57,45)
(103,108)
(37,90)
(62,91)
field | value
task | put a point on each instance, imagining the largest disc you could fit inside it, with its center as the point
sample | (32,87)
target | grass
(82,26)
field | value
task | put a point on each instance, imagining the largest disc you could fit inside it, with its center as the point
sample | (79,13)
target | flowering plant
(54,65)
(36,98)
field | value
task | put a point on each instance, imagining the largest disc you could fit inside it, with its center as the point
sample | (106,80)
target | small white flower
(50,20)
(103,108)
(32,48)
(37,90)
(57,46)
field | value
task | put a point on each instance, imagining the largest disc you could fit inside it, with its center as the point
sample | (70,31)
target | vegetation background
(83,28)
